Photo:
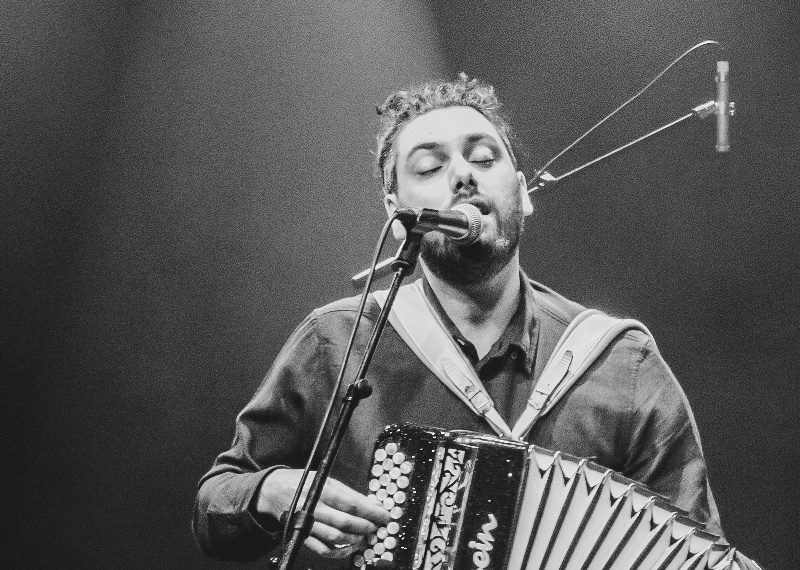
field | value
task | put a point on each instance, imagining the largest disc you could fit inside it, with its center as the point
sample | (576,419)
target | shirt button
(514,355)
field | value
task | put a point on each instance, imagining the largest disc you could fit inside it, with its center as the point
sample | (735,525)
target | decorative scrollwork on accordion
(463,500)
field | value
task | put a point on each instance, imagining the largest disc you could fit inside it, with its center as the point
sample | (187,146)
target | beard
(470,264)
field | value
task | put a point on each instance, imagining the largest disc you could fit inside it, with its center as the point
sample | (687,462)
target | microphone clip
(710,108)
(409,217)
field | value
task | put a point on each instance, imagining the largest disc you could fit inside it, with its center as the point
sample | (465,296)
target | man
(444,144)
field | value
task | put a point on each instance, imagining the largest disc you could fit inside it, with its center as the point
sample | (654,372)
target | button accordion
(464,500)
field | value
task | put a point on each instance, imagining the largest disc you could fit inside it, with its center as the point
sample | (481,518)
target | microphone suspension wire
(618,109)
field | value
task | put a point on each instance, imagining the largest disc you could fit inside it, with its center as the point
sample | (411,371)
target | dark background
(180,186)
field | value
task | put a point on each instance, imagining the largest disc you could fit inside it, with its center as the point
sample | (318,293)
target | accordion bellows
(464,500)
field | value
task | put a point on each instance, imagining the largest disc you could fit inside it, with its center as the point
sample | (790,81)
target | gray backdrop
(182,185)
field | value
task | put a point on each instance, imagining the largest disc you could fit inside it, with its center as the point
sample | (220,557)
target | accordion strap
(420,327)
(586,337)
(418,324)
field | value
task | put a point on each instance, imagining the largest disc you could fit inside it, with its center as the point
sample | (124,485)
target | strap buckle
(480,401)
(542,391)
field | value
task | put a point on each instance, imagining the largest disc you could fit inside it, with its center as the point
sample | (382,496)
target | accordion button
(380,455)
(387,556)
(405,467)
(399,497)
(379,549)
(383,533)
(358,561)
(391,488)
(388,503)
(381,495)
(391,448)
(402,481)
(393,527)
(384,479)
(377,470)
(387,464)
(390,542)
(396,513)
(398,457)
(369,554)
(394,473)
(374,485)
(372,539)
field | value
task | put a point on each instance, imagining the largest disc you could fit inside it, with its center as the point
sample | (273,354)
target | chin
(470,263)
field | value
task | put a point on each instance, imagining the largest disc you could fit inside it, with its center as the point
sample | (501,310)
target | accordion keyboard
(390,478)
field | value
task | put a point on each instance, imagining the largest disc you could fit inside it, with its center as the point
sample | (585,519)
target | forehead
(444,126)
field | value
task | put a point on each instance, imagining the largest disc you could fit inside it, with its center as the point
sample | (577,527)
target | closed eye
(429,171)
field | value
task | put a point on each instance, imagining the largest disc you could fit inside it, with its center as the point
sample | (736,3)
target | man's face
(453,156)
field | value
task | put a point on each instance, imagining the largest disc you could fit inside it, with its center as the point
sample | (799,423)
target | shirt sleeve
(664,450)
(269,434)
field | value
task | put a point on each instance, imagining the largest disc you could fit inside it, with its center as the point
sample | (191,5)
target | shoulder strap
(421,328)
(586,337)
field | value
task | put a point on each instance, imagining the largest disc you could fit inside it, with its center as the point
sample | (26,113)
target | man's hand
(342,517)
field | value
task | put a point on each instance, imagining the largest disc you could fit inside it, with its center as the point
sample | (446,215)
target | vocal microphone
(723,107)
(462,224)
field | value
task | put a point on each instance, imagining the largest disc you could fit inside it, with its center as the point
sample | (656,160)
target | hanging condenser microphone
(724,107)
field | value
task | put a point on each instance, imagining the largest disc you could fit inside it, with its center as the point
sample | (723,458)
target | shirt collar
(522,330)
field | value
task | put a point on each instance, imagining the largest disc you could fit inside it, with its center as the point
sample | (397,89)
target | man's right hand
(342,518)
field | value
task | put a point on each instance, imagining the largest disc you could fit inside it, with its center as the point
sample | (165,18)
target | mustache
(484,205)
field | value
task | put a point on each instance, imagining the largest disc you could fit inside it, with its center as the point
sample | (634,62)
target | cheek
(430,194)
(503,189)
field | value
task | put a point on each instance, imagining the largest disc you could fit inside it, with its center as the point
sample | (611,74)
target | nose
(462,180)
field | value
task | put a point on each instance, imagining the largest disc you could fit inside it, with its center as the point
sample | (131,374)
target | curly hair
(403,106)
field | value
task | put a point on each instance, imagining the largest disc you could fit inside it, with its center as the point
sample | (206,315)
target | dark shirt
(627,412)
(506,370)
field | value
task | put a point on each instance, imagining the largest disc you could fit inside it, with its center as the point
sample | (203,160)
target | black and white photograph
(412,285)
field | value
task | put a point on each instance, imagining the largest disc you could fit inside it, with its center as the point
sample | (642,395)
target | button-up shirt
(627,412)
(506,371)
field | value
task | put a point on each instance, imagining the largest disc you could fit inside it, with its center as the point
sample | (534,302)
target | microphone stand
(544,179)
(303,519)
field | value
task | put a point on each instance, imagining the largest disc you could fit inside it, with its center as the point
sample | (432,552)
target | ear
(527,206)
(390,203)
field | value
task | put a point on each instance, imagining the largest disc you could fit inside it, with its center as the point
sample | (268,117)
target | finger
(328,552)
(342,498)
(333,537)
(344,522)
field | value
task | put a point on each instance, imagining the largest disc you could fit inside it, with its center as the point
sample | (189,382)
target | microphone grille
(475,224)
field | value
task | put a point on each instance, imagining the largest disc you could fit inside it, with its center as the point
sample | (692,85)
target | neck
(480,310)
